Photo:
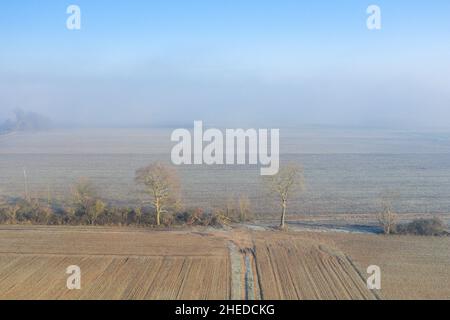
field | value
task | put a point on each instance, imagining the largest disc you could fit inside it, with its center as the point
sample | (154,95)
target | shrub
(9,213)
(190,216)
(423,227)
(200,217)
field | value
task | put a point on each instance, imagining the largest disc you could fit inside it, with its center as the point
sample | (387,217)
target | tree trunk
(283,214)
(158,212)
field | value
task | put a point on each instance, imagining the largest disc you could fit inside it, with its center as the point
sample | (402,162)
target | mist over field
(346,171)
(364,111)
(245,64)
(224,149)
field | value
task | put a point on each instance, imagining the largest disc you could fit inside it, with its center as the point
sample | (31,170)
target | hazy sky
(227,62)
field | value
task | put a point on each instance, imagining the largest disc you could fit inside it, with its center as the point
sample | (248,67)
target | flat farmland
(346,170)
(412,267)
(136,263)
(294,267)
(114,264)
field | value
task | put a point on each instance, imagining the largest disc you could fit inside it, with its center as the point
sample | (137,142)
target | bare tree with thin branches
(162,184)
(244,208)
(84,194)
(286,183)
(86,201)
(11,212)
(387,217)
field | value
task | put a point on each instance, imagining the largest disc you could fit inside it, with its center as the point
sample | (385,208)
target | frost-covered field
(345,170)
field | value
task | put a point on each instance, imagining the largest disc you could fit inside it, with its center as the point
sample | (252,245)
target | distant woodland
(25,121)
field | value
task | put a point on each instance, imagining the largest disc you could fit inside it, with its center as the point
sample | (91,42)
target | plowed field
(122,263)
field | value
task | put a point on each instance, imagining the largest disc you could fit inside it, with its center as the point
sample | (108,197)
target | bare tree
(83,193)
(387,217)
(288,181)
(138,215)
(244,208)
(230,210)
(86,201)
(162,184)
(95,210)
(11,212)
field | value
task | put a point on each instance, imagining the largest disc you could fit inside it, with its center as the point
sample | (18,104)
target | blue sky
(272,62)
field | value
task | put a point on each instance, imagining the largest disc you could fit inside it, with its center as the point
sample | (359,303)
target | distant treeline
(25,121)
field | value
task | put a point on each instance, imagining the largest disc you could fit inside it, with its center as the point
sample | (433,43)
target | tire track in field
(295,268)
(244,274)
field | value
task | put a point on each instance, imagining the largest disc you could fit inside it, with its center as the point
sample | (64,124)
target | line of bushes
(85,208)
(38,212)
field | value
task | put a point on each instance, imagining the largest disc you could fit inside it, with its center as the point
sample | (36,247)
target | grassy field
(124,263)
